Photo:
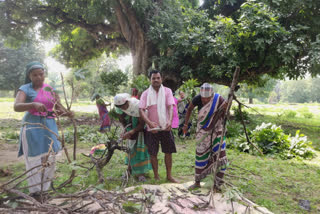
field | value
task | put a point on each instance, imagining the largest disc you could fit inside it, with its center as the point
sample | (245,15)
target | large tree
(86,28)
(278,37)
(13,62)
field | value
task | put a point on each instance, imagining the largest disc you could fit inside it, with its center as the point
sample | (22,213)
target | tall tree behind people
(259,36)
(13,61)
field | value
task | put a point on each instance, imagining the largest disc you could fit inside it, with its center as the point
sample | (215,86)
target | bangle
(185,125)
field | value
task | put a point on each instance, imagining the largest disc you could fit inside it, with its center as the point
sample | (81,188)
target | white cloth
(48,173)
(133,109)
(121,99)
(160,101)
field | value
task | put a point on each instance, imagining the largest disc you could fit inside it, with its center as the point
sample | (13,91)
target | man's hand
(153,125)
(168,127)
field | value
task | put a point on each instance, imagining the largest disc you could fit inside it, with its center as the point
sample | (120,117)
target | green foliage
(113,80)
(132,207)
(260,90)
(190,89)
(78,42)
(290,113)
(86,134)
(300,91)
(237,114)
(10,136)
(256,37)
(234,129)
(13,62)
(308,115)
(272,141)
(140,82)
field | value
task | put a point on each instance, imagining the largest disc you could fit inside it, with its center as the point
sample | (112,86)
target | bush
(237,115)
(272,141)
(234,129)
(308,115)
(290,114)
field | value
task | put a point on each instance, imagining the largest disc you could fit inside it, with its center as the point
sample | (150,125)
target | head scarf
(206,90)
(31,66)
(121,99)
(94,96)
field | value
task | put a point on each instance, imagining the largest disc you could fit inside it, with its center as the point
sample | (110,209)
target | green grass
(274,183)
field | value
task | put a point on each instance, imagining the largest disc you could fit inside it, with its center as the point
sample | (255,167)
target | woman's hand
(70,114)
(39,107)
(128,135)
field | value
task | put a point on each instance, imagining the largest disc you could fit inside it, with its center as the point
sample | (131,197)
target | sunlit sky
(55,66)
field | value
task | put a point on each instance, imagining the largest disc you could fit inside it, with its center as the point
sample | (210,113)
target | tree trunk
(141,49)
(141,57)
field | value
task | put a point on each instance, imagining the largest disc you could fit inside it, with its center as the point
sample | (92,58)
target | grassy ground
(276,184)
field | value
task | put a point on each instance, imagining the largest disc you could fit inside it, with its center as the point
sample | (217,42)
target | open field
(276,184)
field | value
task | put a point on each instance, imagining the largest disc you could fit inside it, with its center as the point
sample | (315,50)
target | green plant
(237,114)
(290,114)
(307,115)
(189,87)
(273,141)
(140,82)
(9,136)
(234,129)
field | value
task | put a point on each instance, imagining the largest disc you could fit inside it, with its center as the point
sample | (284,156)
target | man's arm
(144,116)
(170,111)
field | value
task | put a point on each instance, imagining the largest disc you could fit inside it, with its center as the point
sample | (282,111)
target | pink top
(175,117)
(46,97)
(152,113)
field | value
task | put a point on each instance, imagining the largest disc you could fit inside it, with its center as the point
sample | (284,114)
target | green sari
(138,158)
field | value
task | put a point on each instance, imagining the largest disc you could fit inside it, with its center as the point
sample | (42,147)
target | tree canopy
(13,62)
(279,38)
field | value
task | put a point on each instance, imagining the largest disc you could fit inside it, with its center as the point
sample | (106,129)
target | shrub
(290,114)
(272,141)
(308,115)
(237,115)
(234,129)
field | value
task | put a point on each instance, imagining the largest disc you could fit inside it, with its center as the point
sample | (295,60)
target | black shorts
(164,137)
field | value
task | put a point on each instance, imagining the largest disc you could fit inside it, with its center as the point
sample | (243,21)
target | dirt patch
(9,154)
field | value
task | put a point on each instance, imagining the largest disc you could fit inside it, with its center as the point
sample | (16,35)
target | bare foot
(172,180)
(194,186)
(156,178)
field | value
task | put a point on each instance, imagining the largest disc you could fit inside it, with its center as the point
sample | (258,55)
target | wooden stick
(230,98)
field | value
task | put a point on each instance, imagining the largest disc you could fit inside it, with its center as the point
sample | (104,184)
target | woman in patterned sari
(139,160)
(208,136)
(103,112)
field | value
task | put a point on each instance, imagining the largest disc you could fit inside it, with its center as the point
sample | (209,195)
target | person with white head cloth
(208,135)
(139,160)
